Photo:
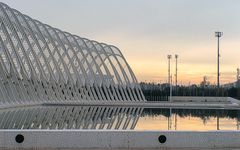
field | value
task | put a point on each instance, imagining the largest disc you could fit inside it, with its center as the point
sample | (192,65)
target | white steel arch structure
(39,64)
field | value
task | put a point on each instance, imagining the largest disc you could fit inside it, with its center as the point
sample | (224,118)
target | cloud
(146,31)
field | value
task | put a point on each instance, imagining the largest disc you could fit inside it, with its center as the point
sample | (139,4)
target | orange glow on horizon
(148,58)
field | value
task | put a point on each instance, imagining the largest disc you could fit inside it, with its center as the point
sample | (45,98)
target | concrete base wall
(202,99)
(177,101)
(79,139)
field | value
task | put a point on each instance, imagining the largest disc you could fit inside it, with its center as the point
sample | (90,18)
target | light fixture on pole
(176,77)
(169,72)
(169,67)
(218,35)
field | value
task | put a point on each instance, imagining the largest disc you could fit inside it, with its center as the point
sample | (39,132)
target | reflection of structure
(39,63)
(175,122)
(70,117)
(237,120)
(170,119)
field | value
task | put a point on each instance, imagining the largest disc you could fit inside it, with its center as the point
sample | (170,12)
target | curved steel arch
(39,63)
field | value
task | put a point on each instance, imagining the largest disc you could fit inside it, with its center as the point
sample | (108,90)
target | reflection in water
(70,117)
(188,119)
(119,118)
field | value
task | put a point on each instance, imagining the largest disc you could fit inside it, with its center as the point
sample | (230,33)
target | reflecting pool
(118,118)
(188,119)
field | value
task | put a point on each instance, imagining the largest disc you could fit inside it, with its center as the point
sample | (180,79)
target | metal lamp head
(169,56)
(218,34)
(176,56)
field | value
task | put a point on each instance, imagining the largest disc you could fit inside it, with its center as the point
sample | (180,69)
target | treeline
(161,92)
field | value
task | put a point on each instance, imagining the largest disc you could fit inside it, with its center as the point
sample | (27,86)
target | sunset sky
(147,30)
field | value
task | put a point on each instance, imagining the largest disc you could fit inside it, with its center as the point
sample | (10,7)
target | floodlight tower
(176,77)
(169,77)
(238,74)
(238,78)
(169,68)
(218,35)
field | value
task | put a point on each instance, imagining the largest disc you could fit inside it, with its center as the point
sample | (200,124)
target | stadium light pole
(218,35)
(169,67)
(176,77)
(169,72)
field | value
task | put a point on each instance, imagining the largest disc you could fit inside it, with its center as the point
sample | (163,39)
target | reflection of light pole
(218,128)
(170,119)
(169,71)
(218,35)
(175,121)
(238,116)
(237,124)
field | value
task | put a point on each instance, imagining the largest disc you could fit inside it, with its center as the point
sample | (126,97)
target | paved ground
(140,104)
(155,104)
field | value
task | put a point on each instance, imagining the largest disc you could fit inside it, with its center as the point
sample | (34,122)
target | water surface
(118,118)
